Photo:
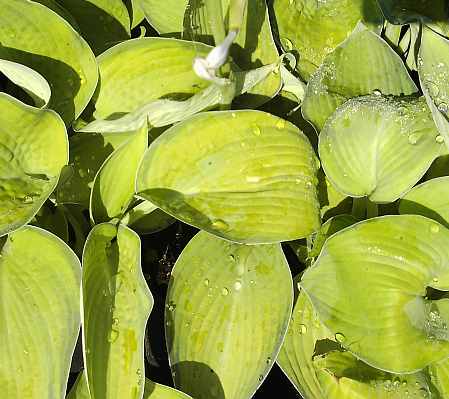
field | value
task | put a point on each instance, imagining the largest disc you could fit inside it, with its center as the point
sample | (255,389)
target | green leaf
(430,199)
(165,16)
(379,146)
(88,151)
(114,184)
(139,71)
(314,361)
(362,64)
(405,11)
(439,374)
(248,176)
(146,218)
(396,327)
(227,311)
(29,80)
(315,28)
(116,306)
(102,23)
(152,390)
(40,320)
(33,150)
(51,48)
(433,62)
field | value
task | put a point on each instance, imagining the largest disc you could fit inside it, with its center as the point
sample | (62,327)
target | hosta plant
(222,198)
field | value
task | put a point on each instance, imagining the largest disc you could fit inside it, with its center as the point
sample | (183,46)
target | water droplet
(25,352)
(339,337)
(224,291)
(256,130)
(233,114)
(442,107)
(287,44)
(171,306)
(280,124)
(231,257)
(414,138)
(206,282)
(435,279)
(439,139)
(220,225)
(377,92)
(309,184)
(252,282)
(242,144)
(237,285)
(268,360)
(260,378)
(113,335)
(402,111)
(27,199)
(434,228)
(82,173)
(252,179)
(302,328)
(115,321)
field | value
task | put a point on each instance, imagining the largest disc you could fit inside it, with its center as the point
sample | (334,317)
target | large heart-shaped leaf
(430,199)
(102,23)
(247,176)
(360,65)
(113,187)
(227,311)
(40,321)
(33,35)
(379,146)
(33,150)
(116,306)
(433,62)
(138,71)
(316,28)
(88,151)
(314,361)
(394,259)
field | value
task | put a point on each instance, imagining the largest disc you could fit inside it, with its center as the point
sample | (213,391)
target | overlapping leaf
(378,146)
(116,306)
(33,150)
(393,258)
(40,321)
(316,28)
(227,311)
(247,176)
(362,64)
(314,361)
(33,35)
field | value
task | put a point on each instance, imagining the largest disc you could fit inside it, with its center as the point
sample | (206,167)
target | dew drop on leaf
(339,337)
(302,328)
(256,130)
(237,285)
(225,291)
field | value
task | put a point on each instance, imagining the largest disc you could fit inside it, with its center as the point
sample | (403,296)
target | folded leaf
(113,187)
(116,306)
(40,320)
(246,176)
(433,62)
(52,48)
(378,146)
(396,327)
(33,150)
(227,310)
(29,80)
(362,64)
(315,28)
